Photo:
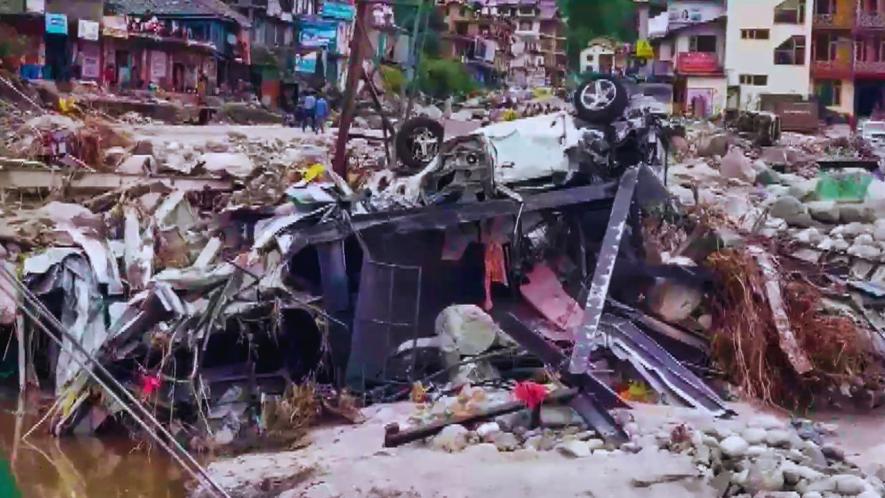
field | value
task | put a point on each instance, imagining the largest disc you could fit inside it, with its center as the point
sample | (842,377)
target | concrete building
(173,45)
(768,54)
(689,39)
(524,40)
(848,56)
(599,56)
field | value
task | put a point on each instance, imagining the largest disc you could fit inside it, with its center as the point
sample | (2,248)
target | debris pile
(527,285)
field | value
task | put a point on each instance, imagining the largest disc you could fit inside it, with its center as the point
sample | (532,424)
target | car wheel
(418,141)
(601,100)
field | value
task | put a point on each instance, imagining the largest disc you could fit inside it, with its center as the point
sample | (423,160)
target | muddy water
(81,467)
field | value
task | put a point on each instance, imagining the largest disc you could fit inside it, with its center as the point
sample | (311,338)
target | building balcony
(874,69)
(832,70)
(839,20)
(871,20)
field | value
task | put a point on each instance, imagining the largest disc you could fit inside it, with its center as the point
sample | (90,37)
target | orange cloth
(495,270)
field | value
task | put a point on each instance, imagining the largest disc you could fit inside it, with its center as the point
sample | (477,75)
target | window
(755,34)
(525,25)
(461,28)
(791,52)
(860,51)
(702,43)
(825,47)
(462,11)
(526,11)
(829,93)
(754,79)
(824,7)
(790,12)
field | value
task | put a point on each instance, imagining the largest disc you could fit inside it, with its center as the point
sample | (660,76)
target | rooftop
(185,8)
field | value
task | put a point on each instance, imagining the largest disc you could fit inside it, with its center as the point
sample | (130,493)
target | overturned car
(610,134)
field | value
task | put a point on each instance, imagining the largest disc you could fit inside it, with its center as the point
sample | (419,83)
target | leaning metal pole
(354,74)
(181,456)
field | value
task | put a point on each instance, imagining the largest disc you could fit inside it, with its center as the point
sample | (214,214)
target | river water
(80,467)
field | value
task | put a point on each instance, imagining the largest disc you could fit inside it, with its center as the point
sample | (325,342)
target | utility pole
(354,74)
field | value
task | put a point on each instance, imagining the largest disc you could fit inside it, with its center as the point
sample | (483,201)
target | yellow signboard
(644,50)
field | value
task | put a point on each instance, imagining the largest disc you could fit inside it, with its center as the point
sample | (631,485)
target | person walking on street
(320,115)
(310,103)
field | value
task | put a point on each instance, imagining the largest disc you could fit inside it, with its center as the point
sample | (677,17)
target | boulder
(809,236)
(879,230)
(765,474)
(865,252)
(754,435)
(849,484)
(674,301)
(736,165)
(574,449)
(470,328)
(487,429)
(804,189)
(716,145)
(733,447)
(857,212)
(791,210)
(824,211)
(778,438)
(505,441)
(595,444)
(833,452)
(453,438)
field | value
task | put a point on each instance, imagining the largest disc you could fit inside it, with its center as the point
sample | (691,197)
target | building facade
(689,39)
(768,52)
(521,42)
(848,56)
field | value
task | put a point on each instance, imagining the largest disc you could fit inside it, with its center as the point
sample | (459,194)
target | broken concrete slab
(138,165)
(238,165)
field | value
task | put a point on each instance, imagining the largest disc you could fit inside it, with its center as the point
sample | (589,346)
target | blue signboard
(317,34)
(56,24)
(306,63)
(338,10)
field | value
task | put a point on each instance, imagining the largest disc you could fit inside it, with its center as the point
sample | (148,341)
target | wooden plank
(97,182)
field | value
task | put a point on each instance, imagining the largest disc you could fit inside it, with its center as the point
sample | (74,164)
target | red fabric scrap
(530,393)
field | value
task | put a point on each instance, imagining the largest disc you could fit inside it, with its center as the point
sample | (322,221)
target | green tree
(587,19)
(441,78)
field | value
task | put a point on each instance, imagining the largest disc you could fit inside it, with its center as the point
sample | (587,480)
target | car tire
(601,100)
(418,141)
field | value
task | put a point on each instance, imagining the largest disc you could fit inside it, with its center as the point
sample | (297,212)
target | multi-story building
(689,39)
(848,55)
(767,51)
(523,40)
(172,45)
